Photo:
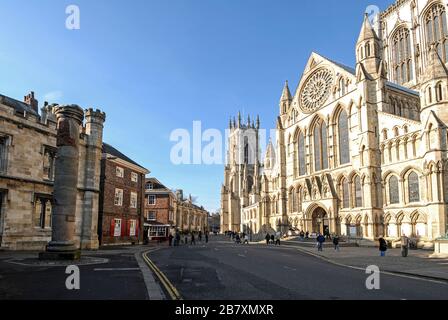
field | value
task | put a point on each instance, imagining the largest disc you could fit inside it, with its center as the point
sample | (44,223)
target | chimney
(33,103)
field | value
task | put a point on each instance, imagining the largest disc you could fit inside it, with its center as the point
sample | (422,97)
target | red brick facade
(112,214)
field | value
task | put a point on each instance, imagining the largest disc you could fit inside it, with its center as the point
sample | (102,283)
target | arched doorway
(320,221)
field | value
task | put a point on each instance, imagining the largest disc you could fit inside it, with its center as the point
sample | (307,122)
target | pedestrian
(237,239)
(302,235)
(404,246)
(320,242)
(327,233)
(277,238)
(186,239)
(177,242)
(206,237)
(307,235)
(193,240)
(272,239)
(383,246)
(200,236)
(268,238)
(336,243)
(170,240)
(246,239)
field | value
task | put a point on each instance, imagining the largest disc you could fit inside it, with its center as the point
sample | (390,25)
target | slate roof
(114,152)
(19,106)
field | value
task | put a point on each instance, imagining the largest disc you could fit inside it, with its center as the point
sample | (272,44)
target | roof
(114,152)
(401,88)
(340,65)
(19,106)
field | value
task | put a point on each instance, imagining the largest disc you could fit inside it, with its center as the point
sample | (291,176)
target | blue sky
(155,66)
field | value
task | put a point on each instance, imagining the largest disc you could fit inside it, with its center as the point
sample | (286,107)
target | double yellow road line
(172,291)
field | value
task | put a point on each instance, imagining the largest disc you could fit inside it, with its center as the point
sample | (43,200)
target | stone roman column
(62,246)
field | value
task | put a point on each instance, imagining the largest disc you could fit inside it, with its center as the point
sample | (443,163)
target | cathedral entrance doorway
(320,221)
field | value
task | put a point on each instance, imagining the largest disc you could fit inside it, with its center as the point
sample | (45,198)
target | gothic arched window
(301,154)
(437,31)
(414,188)
(345,194)
(357,192)
(344,143)
(402,56)
(394,196)
(320,146)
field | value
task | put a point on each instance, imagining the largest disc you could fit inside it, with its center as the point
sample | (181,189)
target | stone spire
(286,94)
(367,30)
(239,119)
(258,122)
(286,99)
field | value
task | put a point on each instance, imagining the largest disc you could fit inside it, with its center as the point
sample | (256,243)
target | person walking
(320,242)
(277,238)
(302,235)
(177,242)
(383,246)
(307,235)
(272,239)
(186,239)
(246,239)
(170,240)
(200,236)
(206,237)
(404,246)
(193,240)
(336,243)
(268,238)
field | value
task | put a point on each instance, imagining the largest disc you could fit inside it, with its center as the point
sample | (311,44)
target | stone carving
(316,90)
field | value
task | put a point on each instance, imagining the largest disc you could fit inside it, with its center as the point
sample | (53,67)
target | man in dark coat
(383,246)
(320,242)
(268,238)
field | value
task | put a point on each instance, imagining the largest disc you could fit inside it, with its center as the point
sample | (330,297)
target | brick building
(159,210)
(166,211)
(28,147)
(122,198)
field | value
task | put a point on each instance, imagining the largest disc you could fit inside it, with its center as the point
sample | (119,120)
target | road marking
(172,291)
(242,256)
(116,269)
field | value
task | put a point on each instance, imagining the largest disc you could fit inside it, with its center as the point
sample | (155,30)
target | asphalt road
(222,270)
(118,279)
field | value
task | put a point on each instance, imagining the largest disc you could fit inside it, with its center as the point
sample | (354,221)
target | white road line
(116,269)
(242,256)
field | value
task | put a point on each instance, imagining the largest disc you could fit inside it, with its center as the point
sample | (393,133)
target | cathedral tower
(241,171)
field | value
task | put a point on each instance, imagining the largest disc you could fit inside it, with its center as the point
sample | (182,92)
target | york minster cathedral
(359,152)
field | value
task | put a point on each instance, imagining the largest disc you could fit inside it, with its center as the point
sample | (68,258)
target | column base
(60,256)
(60,251)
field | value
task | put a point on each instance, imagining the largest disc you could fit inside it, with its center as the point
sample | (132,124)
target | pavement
(222,270)
(418,263)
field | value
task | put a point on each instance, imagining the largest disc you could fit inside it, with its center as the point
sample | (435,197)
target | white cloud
(53,96)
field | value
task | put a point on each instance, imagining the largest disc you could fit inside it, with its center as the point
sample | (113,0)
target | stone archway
(320,221)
